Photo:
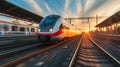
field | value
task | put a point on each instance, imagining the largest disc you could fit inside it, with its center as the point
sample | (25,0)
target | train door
(27,30)
(5,29)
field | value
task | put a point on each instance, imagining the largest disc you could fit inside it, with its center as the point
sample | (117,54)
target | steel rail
(75,53)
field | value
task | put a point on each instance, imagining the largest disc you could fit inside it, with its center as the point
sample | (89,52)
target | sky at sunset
(71,9)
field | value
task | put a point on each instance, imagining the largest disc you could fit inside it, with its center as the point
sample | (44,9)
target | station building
(110,26)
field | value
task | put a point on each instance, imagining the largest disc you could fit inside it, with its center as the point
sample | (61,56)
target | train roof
(14,11)
(53,15)
(16,23)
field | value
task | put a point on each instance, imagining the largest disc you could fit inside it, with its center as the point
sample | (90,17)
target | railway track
(109,44)
(87,54)
(47,54)
(18,43)
(17,40)
(3,38)
(90,55)
(114,39)
(15,52)
(16,48)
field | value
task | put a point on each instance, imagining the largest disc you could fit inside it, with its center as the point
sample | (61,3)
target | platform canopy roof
(11,10)
(115,18)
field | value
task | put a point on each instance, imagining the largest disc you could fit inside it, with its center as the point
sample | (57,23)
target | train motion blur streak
(54,28)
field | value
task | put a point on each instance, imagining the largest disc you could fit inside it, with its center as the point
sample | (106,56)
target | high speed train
(55,28)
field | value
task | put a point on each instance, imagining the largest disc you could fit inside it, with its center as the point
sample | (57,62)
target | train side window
(14,28)
(22,28)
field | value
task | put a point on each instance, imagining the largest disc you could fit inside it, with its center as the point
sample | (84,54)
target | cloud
(66,9)
(113,7)
(48,8)
(83,4)
(78,8)
(107,9)
(89,5)
(35,6)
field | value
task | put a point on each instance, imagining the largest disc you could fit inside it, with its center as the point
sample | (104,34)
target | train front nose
(44,38)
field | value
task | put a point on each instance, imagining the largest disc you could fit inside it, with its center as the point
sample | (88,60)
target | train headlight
(50,30)
(39,30)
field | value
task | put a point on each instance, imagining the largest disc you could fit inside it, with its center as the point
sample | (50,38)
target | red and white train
(55,28)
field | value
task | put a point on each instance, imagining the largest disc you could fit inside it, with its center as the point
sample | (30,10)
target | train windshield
(48,23)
